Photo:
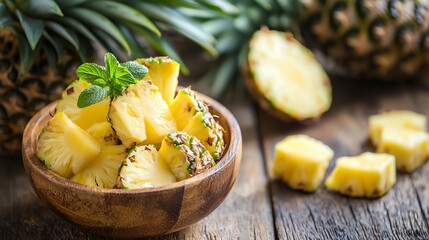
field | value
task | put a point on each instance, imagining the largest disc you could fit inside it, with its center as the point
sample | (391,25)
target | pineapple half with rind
(164,73)
(103,171)
(144,169)
(103,132)
(185,155)
(203,126)
(366,175)
(64,147)
(184,106)
(397,118)
(301,161)
(140,115)
(83,117)
(410,147)
(285,77)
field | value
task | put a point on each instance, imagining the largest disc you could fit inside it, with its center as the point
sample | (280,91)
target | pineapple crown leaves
(127,28)
(108,81)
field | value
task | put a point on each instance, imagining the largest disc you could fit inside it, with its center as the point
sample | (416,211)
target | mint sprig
(108,81)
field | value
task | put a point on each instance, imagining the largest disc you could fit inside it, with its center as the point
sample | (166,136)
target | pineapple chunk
(164,73)
(185,155)
(301,161)
(184,106)
(366,175)
(64,147)
(398,118)
(408,146)
(143,169)
(140,115)
(103,171)
(103,132)
(208,131)
(83,117)
(127,118)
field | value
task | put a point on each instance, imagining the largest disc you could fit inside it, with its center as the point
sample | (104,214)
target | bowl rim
(29,155)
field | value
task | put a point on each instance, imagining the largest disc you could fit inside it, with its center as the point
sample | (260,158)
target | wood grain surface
(260,207)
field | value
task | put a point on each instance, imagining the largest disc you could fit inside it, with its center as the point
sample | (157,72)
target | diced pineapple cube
(64,147)
(366,175)
(398,118)
(408,146)
(184,106)
(103,132)
(301,161)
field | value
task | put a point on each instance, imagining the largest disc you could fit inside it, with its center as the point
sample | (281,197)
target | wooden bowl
(139,212)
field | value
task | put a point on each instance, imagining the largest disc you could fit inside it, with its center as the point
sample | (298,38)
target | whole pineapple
(384,39)
(41,43)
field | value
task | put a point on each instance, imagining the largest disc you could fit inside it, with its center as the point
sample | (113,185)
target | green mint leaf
(91,95)
(100,82)
(123,76)
(90,72)
(111,64)
(137,70)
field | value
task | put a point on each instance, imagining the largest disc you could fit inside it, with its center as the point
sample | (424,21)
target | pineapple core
(408,146)
(301,162)
(398,118)
(366,175)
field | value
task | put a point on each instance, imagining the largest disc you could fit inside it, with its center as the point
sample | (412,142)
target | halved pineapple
(407,145)
(127,118)
(64,147)
(83,117)
(103,171)
(203,126)
(301,161)
(164,73)
(184,106)
(366,175)
(143,169)
(103,132)
(397,118)
(185,155)
(285,77)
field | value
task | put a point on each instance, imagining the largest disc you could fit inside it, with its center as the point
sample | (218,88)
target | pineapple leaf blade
(123,12)
(39,8)
(33,28)
(92,95)
(6,19)
(67,34)
(26,54)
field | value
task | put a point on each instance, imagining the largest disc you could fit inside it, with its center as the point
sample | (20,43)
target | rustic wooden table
(259,207)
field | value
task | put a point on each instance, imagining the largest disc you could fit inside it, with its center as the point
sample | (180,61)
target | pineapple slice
(285,77)
(208,131)
(64,147)
(140,115)
(143,169)
(103,132)
(399,118)
(103,171)
(83,117)
(185,155)
(164,73)
(301,161)
(184,106)
(407,145)
(366,175)
(126,116)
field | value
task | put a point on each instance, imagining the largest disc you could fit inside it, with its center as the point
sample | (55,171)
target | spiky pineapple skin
(21,98)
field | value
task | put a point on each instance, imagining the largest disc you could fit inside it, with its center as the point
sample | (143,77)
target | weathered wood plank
(327,215)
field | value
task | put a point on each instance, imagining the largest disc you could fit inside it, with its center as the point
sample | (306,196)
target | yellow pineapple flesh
(103,171)
(83,117)
(398,118)
(64,147)
(164,73)
(185,155)
(301,162)
(144,169)
(408,146)
(184,106)
(366,175)
(103,132)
